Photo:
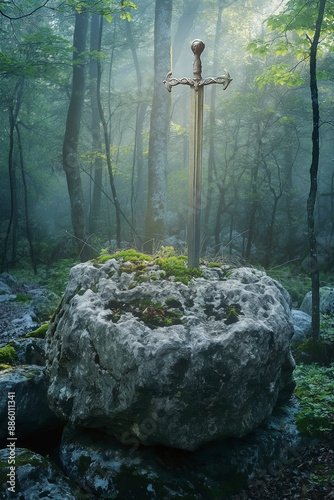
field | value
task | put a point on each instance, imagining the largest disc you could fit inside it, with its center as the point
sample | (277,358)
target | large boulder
(107,469)
(134,354)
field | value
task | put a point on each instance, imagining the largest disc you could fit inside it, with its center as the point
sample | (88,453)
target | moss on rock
(7,355)
(39,333)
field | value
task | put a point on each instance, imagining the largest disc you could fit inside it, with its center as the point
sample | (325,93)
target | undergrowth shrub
(315,392)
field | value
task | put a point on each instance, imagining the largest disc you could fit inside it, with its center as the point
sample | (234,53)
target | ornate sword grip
(197,46)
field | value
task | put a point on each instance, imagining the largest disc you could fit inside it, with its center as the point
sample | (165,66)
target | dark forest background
(95,150)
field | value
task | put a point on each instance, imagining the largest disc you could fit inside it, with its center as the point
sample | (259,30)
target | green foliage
(294,281)
(39,333)
(51,53)
(7,355)
(23,299)
(327,328)
(315,391)
(167,252)
(56,277)
(279,74)
(296,23)
(103,7)
(326,477)
(321,352)
(312,352)
(3,366)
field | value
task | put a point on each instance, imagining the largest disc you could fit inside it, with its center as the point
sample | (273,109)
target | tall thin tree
(13,108)
(107,144)
(71,138)
(95,205)
(155,219)
(314,175)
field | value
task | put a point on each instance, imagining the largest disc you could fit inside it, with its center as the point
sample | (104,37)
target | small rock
(8,278)
(33,477)
(326,301)
(29,351)
(32,411)
(302,326)
(4,288)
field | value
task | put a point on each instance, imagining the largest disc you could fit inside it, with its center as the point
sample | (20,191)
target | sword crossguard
(197,46)
(170,82)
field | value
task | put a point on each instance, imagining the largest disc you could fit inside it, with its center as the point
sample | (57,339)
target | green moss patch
(126,255)
(23,299)
(176,267)
(7,355)
(3,366)
(169,264)
(39,333)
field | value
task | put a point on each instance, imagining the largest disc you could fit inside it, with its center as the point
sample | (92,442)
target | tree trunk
(107,146)
(26,206)
(184,27)
(137,178)
(212,122)
(71,139)
(221,203)
(95,207)
(254,193)
(314,177)
(13,113)
(288,165)
(157,159)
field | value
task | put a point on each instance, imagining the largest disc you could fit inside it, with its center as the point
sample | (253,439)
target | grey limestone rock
(106,468)
(29,351)
(4,288)
(33,477)
(218,373)
(326,301)
(302,326)
(32,413)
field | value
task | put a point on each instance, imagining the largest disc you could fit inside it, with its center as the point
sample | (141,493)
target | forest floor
(308,476)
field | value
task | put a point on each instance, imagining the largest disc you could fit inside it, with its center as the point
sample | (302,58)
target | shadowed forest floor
(308,476)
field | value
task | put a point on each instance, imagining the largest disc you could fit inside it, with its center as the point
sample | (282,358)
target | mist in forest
(97,152)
